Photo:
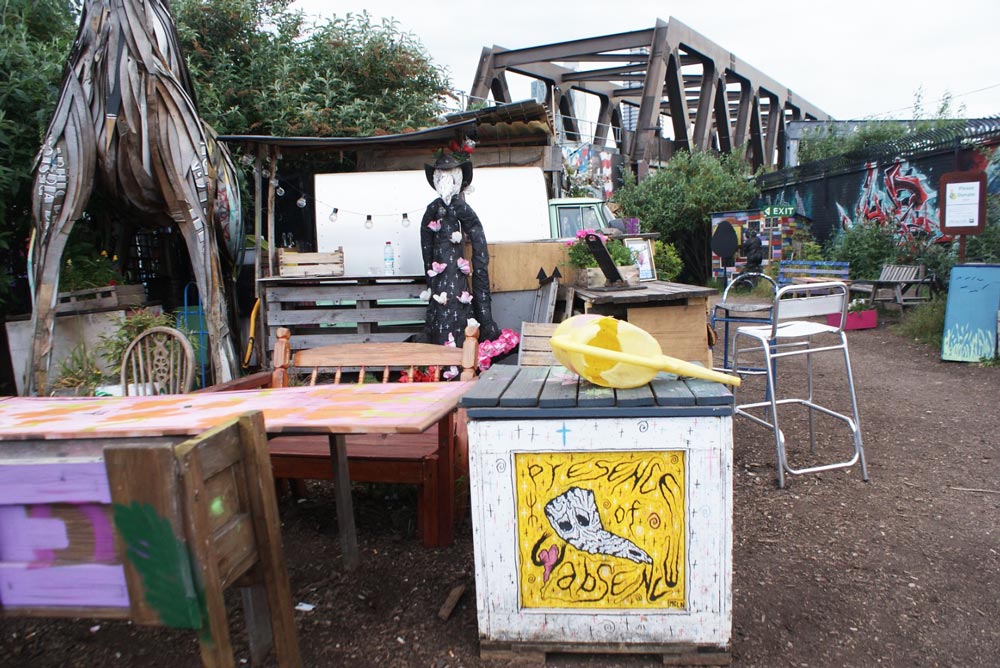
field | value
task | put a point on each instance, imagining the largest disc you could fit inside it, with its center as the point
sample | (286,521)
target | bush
(867,246)
(924,323)
(667,260)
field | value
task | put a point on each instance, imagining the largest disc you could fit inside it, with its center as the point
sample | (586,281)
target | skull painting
(574,516)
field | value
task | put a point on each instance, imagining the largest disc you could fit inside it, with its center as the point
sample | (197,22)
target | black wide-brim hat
(449,162)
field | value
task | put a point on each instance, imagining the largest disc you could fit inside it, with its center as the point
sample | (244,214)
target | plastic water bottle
(389,259)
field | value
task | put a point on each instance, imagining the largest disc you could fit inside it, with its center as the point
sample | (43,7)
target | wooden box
(292,263)
(95,299)
(602,519)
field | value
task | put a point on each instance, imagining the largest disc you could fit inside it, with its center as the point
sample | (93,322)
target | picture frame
(642,249)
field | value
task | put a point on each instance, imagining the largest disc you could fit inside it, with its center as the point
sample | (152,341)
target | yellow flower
(104,253)
(114,258)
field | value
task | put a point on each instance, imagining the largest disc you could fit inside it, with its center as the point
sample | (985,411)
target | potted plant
(860,315)
(588,274)
(90,279)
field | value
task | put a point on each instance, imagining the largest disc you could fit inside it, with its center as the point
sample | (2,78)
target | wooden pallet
(292,263)
(535,654)
(96,299)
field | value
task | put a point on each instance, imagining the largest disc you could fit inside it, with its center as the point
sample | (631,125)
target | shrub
(924,323)
(867,246)
(667,260)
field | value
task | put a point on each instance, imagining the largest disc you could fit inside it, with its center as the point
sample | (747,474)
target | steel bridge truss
(681,83)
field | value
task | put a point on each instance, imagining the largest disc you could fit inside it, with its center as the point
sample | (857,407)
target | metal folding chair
(789,335)
(744,312)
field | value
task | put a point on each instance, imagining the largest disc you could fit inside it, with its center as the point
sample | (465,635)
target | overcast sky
(853,59)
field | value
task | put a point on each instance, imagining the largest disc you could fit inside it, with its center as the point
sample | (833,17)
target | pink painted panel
(85,585)
(373,408)
(53,482)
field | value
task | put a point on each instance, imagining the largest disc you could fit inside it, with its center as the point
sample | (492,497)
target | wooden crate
(293,263)
(95,299)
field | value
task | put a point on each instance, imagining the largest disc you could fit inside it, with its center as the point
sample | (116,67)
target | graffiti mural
(601,530)
(902,193)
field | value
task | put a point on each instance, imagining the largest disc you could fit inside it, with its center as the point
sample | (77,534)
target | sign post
(962,206)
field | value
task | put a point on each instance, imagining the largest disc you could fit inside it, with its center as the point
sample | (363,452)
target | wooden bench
(805,271)
(903,284)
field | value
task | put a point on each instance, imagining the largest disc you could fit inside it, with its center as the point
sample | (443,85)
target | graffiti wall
(903,194)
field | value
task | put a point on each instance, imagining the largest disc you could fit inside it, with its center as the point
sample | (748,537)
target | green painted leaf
(164,565)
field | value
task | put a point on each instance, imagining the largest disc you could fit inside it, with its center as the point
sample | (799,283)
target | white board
(511,202)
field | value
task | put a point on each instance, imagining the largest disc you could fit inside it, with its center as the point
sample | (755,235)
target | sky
(854,59)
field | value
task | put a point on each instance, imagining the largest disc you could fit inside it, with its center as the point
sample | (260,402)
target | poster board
(970,319)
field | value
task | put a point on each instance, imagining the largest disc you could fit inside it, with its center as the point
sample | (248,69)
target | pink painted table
(52,448)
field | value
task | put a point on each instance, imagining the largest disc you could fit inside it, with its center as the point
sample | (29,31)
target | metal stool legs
(773,350)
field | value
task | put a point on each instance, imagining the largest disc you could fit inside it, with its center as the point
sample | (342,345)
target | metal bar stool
(788,336)
(756,312)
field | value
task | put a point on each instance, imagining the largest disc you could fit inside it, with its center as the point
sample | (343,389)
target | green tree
(35,36)
(677,201)
(260,68)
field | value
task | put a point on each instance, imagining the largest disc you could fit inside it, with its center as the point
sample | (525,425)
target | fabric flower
(425,296)
(464,265)
(465,297)
(434,225)
(450,373)
(472,322)
(436,268)
(456,237)
(442,298)
(501,345)
(451,340)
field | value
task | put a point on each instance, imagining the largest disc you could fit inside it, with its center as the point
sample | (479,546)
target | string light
(279,191)
(301,202)
(333,215)
(369,223)
(406,220)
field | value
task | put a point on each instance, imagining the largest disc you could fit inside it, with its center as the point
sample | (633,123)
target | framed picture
(642,249)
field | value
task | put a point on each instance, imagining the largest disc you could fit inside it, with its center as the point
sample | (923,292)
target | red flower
(112,282)
(453,146)
(468,148)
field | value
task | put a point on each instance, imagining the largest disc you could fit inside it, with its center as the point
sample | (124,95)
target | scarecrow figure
(447,221)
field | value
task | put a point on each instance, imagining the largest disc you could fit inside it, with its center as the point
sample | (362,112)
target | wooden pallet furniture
(534,348)
(577,489)
(805,271)
(157,531)
(426,460)
(901,284)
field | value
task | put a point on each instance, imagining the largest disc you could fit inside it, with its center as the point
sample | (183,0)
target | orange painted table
(336,410)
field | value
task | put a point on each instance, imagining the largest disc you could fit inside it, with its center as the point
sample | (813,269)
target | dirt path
(901,571)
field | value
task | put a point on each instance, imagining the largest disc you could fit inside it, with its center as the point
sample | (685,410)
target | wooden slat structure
(127,110)
(902,284)
(158,531)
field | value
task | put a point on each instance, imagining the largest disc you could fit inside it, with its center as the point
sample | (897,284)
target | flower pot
(593,277)
(855,319)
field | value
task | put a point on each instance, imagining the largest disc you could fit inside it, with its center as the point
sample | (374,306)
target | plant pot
(855,319)
(593,277)
(94,299)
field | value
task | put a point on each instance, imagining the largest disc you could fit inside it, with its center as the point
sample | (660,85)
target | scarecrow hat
(448,161)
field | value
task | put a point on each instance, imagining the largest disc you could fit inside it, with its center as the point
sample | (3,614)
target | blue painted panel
(970,320)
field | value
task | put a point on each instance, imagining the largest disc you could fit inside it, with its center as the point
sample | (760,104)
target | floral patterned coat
(451,302)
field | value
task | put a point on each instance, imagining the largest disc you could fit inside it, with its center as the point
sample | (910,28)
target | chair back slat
(808,301)
(158,361)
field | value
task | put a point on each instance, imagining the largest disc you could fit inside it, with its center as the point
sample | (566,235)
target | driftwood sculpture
(127,122)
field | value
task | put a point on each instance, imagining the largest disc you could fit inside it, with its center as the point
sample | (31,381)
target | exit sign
(779,211)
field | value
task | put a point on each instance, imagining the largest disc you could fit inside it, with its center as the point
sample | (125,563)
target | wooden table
(336,410)
(602,518)
(674,314)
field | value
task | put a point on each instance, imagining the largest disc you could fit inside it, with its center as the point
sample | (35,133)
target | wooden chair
(158,361)
(405,458)
(534,348)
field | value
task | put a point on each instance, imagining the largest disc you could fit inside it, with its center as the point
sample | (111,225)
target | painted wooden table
(336,410)
(602,519)
(674,314)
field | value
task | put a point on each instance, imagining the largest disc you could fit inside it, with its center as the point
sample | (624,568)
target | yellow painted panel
(601,530)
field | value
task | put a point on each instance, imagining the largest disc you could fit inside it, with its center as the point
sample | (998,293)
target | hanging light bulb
(247,159)
(333,215)
(265,173)
(406,220)
(279,191)
(301,202)
(369,223)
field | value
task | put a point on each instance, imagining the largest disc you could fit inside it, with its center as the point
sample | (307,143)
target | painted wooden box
(602,519)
